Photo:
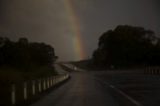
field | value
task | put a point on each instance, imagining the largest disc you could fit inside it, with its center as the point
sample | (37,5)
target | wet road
(105,88)
(81,90)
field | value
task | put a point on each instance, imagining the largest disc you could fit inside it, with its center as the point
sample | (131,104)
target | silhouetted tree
(127,46)
(42,54)
(23,54)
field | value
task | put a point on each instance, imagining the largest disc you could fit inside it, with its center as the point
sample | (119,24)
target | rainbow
(75,27)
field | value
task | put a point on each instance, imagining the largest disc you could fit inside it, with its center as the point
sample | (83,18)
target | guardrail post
(55,79)
(54,82)
(51,81)
(39,86)
(13,94)
(25,91)
(65,76)
(44,84)
(48,83)
(33,87)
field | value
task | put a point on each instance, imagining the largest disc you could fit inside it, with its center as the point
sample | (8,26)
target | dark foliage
(24,54)
(127,46)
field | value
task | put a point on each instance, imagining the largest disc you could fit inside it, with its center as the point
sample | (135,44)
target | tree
(42,54)
(23,54)
(126,46)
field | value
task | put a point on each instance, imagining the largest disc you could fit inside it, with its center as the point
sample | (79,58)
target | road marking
(126,96)
(122,93)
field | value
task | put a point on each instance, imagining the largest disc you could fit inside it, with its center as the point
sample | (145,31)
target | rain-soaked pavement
(81,90)
(105,88)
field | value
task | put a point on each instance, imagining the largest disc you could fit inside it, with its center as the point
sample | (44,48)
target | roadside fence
(22,92)
(152,70)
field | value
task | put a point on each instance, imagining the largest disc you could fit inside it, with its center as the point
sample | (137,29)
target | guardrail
(22,92)
(152,70)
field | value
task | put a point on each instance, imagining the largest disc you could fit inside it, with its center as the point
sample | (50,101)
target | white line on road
(126,96)
(122,93)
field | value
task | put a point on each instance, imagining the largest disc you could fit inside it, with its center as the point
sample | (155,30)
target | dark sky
(47,20)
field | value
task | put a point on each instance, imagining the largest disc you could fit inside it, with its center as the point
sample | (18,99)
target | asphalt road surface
(81,90)
(105,88)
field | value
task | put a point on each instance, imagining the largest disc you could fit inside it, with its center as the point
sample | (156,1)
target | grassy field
(13,75)
(9,75)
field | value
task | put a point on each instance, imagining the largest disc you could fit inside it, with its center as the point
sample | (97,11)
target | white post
(55,80)
(64,77)
(33,87)
(48,83)
(44,85)
(13,94)
(51,81)
(59,79)
(25,91)
(39,86)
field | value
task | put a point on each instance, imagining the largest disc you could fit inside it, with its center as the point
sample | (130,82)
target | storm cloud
(47,20)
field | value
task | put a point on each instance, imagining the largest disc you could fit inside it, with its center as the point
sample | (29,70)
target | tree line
(25,54)
(127,46)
